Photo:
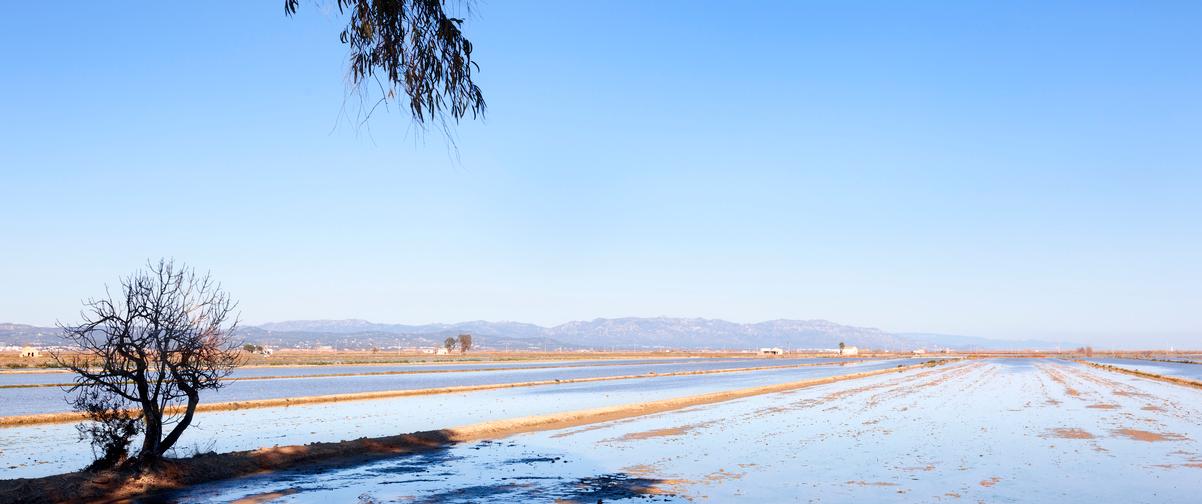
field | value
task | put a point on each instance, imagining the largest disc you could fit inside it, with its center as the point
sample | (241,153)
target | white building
(441,351)
(771,351)
(849,350)
(30,352)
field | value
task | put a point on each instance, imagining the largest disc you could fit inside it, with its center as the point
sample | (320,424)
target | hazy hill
(659,332)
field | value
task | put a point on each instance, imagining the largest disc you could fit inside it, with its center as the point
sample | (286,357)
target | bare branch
(167,337)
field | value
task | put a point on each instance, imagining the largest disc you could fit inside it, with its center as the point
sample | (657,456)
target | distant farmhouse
(849,350)
(771,351)
(30,352)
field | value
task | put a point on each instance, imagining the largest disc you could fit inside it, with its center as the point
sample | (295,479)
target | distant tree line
(463,342)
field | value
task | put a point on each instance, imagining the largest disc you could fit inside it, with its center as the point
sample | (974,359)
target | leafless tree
(465,342)
(144,356)
(415,46)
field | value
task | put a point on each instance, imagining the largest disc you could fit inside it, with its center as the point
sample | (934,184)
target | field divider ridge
(1143,374)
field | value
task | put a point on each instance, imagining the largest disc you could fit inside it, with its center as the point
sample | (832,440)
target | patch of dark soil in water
(415,463)
(613,486)
(601,488)
(533,460)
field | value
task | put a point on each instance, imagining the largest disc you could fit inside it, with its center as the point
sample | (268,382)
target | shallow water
(58,376)
(23,450)
(27,401)
(996,431)
(1178,369)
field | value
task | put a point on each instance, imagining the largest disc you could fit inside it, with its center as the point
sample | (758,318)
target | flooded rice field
(1005,430)
(23,452)
(1175,369)
(26,377)
(34,400)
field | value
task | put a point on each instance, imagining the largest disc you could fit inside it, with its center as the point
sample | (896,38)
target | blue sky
(1012,171)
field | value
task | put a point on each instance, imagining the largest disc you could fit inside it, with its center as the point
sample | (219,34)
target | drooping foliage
(416,47)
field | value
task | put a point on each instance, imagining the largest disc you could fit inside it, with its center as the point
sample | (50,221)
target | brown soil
(656,433)
(990,482)
(11,362)
(1106,406)
(672,431)
(1058,377)
(1070,433)
(1142,435)
(640,470)
(113,486)
(264,497)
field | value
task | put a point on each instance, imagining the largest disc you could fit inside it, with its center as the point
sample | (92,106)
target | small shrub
(110,428)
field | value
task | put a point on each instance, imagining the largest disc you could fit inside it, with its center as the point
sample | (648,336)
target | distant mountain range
(619,333)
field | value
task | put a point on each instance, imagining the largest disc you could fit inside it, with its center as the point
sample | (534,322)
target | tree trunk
(169,441)
(153,420)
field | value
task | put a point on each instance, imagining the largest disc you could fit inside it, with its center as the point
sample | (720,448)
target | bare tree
(465,342)
(145,355)
(415,46)
(449,343)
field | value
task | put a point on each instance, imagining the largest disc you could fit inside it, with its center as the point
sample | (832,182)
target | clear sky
(1012,171)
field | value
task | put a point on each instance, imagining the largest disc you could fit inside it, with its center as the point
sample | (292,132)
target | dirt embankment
(72,416)
(1142,374)
(110,486)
